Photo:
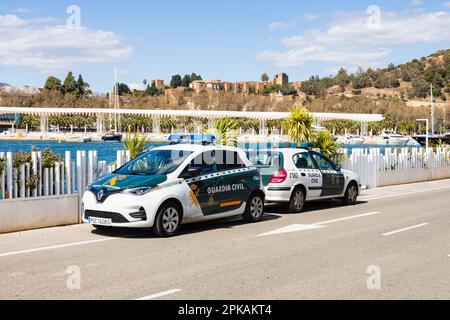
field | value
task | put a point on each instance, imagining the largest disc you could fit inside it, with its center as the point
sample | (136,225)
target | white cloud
(311,16)
(286,25)
(349,41)
(21,10)
(37,43)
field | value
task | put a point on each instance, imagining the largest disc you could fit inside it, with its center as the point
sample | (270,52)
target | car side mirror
(191,173)
(338,168)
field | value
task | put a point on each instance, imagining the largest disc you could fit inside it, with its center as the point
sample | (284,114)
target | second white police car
(295,176)
(176,184)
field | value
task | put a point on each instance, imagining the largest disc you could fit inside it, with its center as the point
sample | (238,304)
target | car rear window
(268,162)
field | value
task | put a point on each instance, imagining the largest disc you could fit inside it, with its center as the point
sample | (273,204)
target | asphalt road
(400,233)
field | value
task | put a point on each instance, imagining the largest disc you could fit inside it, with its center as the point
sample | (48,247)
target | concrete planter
(36,213)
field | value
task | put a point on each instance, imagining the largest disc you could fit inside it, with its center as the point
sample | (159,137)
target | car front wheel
(168,220)
(351,195)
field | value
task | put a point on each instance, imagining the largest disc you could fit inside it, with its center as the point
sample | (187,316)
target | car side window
(228,160)
(323,162)
(206,162)
(303,161)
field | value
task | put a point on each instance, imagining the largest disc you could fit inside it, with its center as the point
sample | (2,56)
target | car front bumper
(119,208)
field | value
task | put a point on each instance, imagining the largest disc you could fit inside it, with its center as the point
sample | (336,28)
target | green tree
(53,84)
(123,89)
(195,77)
(299,124)
(70,85)
(420,89)
(313,87)
(176,81)
(135,144)
(326,143)
(265,77)
(82,87)
(342,78)
(186,81)
(225,131)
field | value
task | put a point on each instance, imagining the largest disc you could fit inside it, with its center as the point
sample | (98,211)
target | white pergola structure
(158,115)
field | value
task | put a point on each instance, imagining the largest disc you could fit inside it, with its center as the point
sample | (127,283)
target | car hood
(350,174)
(119,182)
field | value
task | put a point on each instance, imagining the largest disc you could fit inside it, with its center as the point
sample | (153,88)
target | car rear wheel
(297,202)
(255,208)
(351,195)
(168,220)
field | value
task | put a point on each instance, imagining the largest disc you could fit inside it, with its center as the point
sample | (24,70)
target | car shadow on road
(187,229)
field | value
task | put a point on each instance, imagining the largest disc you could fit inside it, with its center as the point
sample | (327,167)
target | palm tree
(135,144)
(299,124)
(225,131)
(326,143)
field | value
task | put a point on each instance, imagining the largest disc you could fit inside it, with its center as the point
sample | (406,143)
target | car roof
(288,150)
(197,148)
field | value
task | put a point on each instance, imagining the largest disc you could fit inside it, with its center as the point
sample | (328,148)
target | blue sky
(229,40)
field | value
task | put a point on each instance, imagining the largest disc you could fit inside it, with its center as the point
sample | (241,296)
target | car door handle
(303,174)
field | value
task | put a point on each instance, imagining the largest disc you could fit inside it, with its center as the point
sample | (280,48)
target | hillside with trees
(400,92)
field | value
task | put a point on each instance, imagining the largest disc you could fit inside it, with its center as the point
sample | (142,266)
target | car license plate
(100,221)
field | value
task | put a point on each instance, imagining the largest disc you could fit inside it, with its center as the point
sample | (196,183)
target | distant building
(198,86)
(281,79)
(159,84)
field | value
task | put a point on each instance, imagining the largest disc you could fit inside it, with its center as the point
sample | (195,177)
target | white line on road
(304,227)
(15,253)
(347,218)
(159,295)
(405,229)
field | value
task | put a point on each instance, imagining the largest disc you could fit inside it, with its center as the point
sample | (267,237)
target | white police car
(176,184)
(295,176)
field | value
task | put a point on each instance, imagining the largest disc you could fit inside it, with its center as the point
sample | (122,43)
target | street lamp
(427,134)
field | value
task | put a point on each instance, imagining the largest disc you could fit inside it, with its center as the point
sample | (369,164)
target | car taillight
(279,177)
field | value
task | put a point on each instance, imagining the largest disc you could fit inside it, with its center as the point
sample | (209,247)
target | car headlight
(138,191)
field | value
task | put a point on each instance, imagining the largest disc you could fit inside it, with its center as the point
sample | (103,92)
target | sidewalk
(391,191)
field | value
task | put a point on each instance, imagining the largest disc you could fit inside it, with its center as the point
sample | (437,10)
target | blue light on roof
(192,139)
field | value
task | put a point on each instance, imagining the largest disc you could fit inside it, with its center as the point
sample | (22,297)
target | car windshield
(155,162)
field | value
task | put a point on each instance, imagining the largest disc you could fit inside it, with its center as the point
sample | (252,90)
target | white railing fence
(73,175)
(368,163)
(65,177)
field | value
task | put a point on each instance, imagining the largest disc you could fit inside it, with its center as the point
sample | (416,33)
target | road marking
(401,194)
(347,218)
(290,229)
(15,253)
(318,225)
(405,229)
(159,295)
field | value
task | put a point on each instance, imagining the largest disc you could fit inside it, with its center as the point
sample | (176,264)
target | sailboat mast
(433,112)
(115,98)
